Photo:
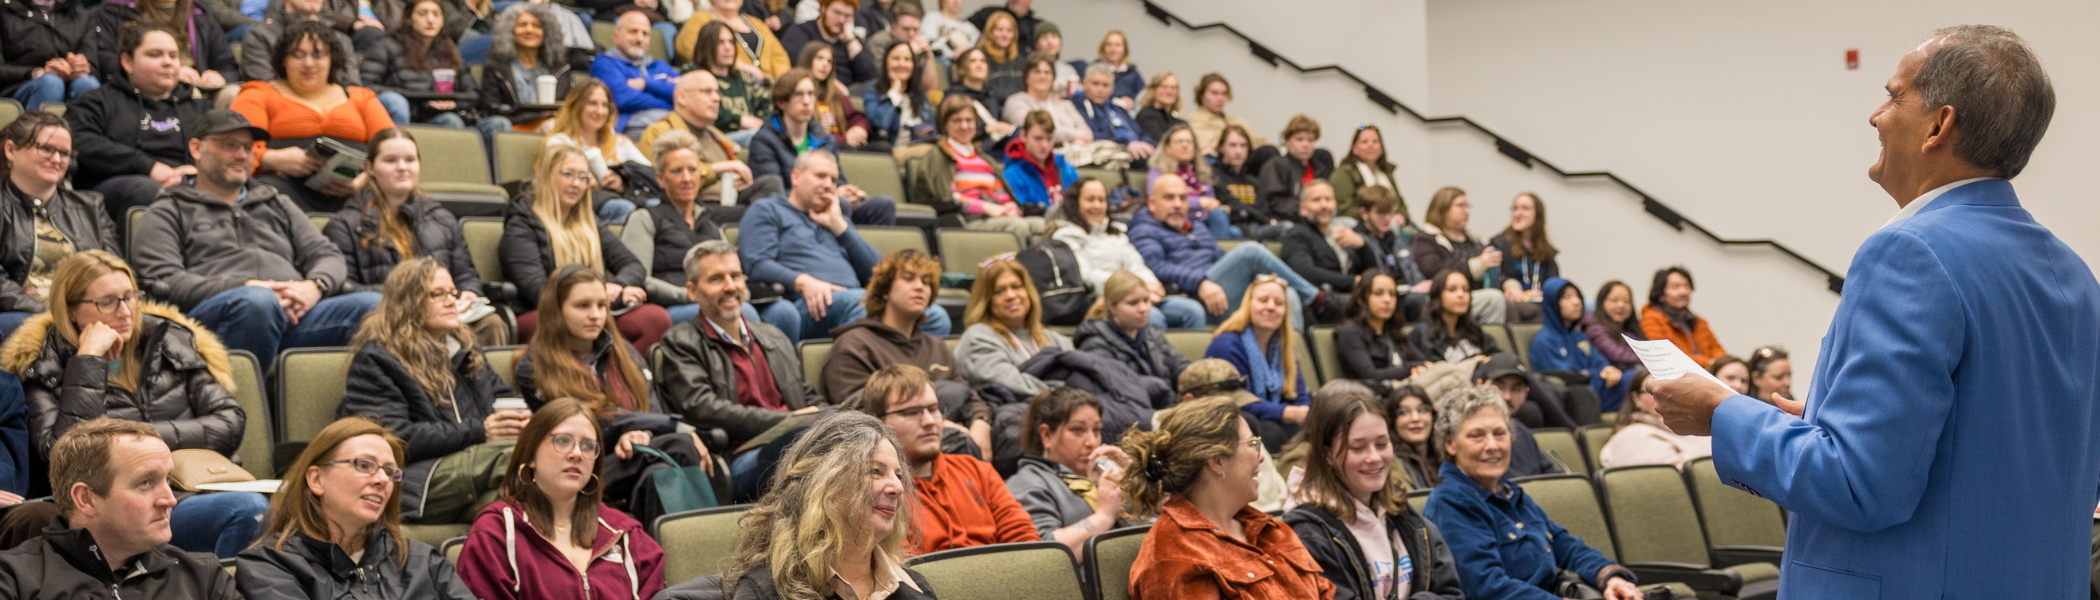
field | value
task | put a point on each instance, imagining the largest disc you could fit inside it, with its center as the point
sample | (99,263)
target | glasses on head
(1769,351)
(566,443)
(1001,256)
(444,294)
(112,303)
(367,467)
(49,152)
(922,412)
(1363,126)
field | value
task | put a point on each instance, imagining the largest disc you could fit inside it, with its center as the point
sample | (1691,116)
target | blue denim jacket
(1506,548)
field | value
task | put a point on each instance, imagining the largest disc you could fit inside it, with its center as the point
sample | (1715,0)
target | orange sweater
(966,504)
(1700,342)
(356,120)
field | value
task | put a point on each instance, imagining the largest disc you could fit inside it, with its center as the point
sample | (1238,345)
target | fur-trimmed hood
(28,342)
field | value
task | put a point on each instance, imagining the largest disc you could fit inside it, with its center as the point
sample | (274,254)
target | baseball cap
(1499,365)
(221,120)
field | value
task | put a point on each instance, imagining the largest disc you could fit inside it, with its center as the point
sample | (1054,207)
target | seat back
(1419,499)
(1191,342)
(889,240)
(1520,335)
(515,153)
(1306,368)
(504,361)
(483,236)
(1571,502)
(255,435)
(1025,571)
(1733,517)
(1559,444)
(729,235)
(1593,439)
(9,109)
(310,383)
(1228,245)
(132,217)
(1108,559)
(698,542)
(1325,353)
(1652,515)
(451,155)
(813,352)
(319,219)
(452,548)
(873,172)
(962,250)
(1502,338)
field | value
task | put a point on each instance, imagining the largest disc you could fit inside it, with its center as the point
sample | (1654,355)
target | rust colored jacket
(1699,342)
(1187,558)
(966,504)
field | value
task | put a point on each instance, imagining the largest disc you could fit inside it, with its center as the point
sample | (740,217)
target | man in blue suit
(1949,446)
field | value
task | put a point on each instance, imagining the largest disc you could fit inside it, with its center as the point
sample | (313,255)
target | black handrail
(1508,148)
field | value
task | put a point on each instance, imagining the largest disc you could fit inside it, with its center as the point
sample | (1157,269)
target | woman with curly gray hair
(835,520)
(527,42)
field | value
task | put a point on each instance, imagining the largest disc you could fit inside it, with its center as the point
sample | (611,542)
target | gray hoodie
(197,245)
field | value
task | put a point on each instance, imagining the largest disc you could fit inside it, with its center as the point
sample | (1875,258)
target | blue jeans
(1177,312)
(11,321)
(1220,224)
(742,138)
(221,523)
(1237,270)
(474,46)
(248,318)
(14,435)
(793,317)
(686,312)
(49,88)
(614,210)
(876,210)
(235,35)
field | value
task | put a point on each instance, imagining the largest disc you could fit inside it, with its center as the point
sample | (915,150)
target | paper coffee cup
(511,404)
(444,80)
(545,87)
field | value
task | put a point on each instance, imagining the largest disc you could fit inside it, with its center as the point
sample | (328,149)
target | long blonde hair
(1120,284)
(69,286)
(573,233)
(813,509)
(1168,165)
(397,324)
(1242,320)
(569,121)
(981,292)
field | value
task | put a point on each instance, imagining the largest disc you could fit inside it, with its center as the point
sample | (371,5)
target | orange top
(355,120)
(966,504)
(1699,343)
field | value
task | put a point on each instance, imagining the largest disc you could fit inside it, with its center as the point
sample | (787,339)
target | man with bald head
(1183,253)
(641,86)
(697,101)
(1950,445)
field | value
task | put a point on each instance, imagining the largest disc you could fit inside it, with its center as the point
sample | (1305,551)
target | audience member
(756,47)
(1236,180)
(804,242)
(847,478)
(1771,373)
(548,228)
(391,220)
(962,182)
(1159,107)
(696,111)
(1319,249)
(117,529)
(49,55)
(207,61)
(898,108)
(1050,41)
(126,163)
(1353,521)
(896,329)
(1365,166)
(852,63)
(363,25)
(1561,350)
(1505,376)
(103,352)
(228,14)
(1102,247)
(337,526)
(905,21)
(578,47)
(1005,50)
(1185,255)
(727,370)
(46,223)
(1038,95)
(304,103)
(963,501)
(1021,12)
(1477,499)
(1614,317)
(1005,319)
(418,372)
(659,236)
(1732,372)
(1177,157)
(1118,327)
(1528,255)
(640,84)
(1283,180)
(1370,342)
(971,69)
(779,148)
(1209,377)
(259,42)
(833,112)
(1114,51)
(742,105)
(1669,316)
(1034,170)
(1198,472)
(1387,237)
(527,44)
(549,533)
(1448,331)
(1063,483)
(410,60)
(946,32)
(1257,341)
(1417,451)
(587,121)
(1209,120)
(470,21)
(1444,244)
(278,284)
(1639,437)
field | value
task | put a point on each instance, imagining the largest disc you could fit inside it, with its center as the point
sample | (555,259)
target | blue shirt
(779,242)
(659,81)
(1505,547)
(1227,347)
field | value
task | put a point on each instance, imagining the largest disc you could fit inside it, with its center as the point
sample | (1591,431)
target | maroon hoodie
(508,558)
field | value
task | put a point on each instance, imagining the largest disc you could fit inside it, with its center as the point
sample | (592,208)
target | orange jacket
(1187,557)
(966,504)
(1699,342)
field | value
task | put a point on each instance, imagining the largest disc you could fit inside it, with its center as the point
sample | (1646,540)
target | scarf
(1265,371)
(1680,317)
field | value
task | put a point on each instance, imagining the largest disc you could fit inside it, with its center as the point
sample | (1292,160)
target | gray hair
(809,159)
(1100,68)
(1305,191)
(503,41)
(2002,98)
(1458,405)
(703,250)
(676,139)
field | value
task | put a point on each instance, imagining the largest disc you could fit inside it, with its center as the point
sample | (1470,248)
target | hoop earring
(526,470)
(595,480)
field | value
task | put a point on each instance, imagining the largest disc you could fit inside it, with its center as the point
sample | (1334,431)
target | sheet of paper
(260,486)
(1665,361)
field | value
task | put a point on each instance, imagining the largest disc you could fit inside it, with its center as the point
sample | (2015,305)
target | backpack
(1055,270)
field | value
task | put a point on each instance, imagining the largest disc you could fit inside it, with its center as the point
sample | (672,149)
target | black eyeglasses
(50,151)
(444,294)
(565,443)
(112,303)
(366,466)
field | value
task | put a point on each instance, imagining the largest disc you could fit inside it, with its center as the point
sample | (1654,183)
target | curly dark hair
(322,36)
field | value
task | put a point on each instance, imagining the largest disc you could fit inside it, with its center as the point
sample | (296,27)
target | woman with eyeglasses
(103,350)
(549,534)
(307,101)
(45,222)
(1256,340)
(1005,318)
(420,374)
(335,527)
(1771,374)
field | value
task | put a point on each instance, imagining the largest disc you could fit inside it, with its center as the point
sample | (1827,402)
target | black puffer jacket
(77,215)
(28,40)
(1281,177)
(1127,399)
(528,254)
(654,418)
(1103,337)
(700,383)
(1342,560)
(311,569)
(108,140)
(437,236)
(672,238)
(185,385)
(385,69)
(51,568)
(381,389)
(1237,192)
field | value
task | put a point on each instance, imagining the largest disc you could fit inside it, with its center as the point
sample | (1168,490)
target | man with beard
(964,501)
(851,61)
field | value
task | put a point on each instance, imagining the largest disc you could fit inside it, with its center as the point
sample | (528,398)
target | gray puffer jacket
(699,382)
(198,245)
(185,384)
(304,568)
(1104,338)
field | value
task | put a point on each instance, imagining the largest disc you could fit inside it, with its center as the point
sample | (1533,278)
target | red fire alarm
(1852,59)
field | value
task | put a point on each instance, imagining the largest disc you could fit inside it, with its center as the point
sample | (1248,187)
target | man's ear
(1942,132)
(85,503)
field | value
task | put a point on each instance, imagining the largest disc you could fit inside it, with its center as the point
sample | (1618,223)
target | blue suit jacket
(1950,447)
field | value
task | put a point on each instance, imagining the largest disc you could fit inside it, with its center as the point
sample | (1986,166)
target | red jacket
(966,504)
(506,558)
(1187,557)
(1699,343)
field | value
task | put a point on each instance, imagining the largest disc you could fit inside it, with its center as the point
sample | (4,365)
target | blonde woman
(835,520)
(1256,340)
(1001,43)
(1115,52)
(1005,318)
(1159,107)
(1121,326)
(551,226)
(588,121)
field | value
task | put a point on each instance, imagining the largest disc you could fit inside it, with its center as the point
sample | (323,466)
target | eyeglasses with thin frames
(565,443)
(366,466)
(915,413)
(110,304)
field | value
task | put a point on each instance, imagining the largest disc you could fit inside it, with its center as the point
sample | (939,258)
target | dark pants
(307,198)
(876,210)
(121,193)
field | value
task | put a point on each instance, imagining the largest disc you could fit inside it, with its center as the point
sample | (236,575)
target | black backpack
(1056,273)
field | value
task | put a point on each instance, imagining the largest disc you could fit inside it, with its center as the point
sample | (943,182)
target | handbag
(197,467)
(679,489)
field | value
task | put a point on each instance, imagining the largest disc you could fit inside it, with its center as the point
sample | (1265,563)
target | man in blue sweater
(1185,255)
(643,88)
(805,242)
(1109,121)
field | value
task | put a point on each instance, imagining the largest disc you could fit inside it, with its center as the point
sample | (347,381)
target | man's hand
(853,48)
(816,294)
(303,295)
(1157,292)
(852,192)
(750,122)
(742,171)
(612,181)
(981,432)
(833,219)
(1347,238)
(59,67)
(1790,406)
(168,176)
(856,136)
(1618,588)
(1687,403)
(637,83)
(1140,150)
(1295,414)
(998,129)
(1213,297)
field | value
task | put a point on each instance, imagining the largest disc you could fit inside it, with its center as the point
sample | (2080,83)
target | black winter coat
(1127,399)
(310,569)
(28,39)
(185,385)
(385,69)
(1430,339)
(1306,250)
(108,140)
(500,97)
(699,382)
(78,215)
(528,254)
(1280,178)
(1367,355)
(1237,191)
(207,42)
(51,568)
(1342,561)
(381,389)
(1155,122)
(1103,337)
(673,238)
(436,235)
